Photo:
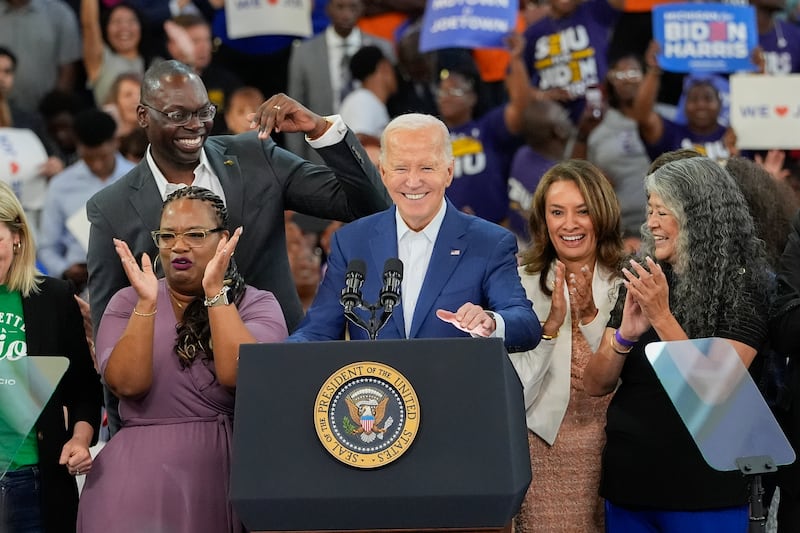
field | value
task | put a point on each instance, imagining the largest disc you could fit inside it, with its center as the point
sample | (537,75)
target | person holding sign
(702,131)
(613,143)
(704,274)
(566,50)
(40,317)
(483,146)
(779,40)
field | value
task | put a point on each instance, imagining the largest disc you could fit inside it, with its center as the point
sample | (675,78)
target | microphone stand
(374,324)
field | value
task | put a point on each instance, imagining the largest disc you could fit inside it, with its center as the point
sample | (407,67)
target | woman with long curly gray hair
(705,274)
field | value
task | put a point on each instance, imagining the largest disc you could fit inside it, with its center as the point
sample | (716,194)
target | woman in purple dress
(167,470)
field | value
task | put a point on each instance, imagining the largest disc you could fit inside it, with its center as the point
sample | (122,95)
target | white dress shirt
(414,249)
(338,47)
(204,176)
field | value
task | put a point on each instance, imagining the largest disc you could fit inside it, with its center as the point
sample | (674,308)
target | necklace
(174,298)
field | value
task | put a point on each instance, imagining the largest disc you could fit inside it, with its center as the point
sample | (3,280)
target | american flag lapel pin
(455,252)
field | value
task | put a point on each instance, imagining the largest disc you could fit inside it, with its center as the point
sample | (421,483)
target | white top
(336,51)
(414,250)
(364,112)
(204,176)
(545,370)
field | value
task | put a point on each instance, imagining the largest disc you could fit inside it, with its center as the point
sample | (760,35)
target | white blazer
(545,370)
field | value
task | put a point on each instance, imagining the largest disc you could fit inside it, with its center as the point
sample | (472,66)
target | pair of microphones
(388,298)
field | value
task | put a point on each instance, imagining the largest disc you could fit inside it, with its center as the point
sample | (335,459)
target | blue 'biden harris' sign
(705,37)
(467,23)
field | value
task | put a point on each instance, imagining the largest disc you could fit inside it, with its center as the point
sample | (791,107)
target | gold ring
(276,107)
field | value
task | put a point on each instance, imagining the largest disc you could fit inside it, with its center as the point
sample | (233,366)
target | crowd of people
(578,230)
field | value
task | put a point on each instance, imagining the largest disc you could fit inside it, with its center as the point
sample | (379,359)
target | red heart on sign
(781,110)
(14,167)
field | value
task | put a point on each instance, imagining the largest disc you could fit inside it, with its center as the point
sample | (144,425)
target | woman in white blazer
(571,273)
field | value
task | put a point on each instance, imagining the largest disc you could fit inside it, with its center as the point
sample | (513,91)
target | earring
(16,247)
(155,265)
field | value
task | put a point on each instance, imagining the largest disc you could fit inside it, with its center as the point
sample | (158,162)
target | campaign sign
(21,155)
(246,18)
(705,37)
(467,23)
(765,112)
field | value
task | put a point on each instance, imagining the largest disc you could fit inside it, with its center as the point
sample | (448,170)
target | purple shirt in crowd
(482,149)
(527,168)
(570,53)
(679,136)
(781,47)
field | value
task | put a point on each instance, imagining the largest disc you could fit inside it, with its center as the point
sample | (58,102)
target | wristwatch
(221,298)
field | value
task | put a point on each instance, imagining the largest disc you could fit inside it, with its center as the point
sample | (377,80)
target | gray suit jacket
(310,81)
(260,180)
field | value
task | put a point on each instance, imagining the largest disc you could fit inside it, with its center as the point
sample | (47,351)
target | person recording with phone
(459,273)
(608,137)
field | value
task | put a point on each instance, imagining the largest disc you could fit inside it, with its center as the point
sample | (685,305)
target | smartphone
(594,101)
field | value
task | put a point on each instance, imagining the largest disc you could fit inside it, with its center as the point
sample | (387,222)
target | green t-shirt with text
(13,346)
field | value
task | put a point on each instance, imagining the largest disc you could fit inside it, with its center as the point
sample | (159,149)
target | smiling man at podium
(460,271)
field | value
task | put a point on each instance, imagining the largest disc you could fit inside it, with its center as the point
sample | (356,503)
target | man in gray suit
(318,67)
(257,180)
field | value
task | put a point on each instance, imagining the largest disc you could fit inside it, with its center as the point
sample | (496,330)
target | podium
(466,469)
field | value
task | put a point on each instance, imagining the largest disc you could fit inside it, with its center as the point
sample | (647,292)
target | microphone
(392,277)
(351,294)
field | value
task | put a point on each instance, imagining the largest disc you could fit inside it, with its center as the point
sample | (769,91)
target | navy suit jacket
(472,261)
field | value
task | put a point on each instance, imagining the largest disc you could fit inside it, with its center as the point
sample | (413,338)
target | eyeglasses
(626,75)
(192,238)
(455,91)
(182,117)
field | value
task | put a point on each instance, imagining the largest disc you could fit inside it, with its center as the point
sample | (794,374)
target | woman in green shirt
(40,317)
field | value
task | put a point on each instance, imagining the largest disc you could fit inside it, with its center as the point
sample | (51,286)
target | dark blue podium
(467,469)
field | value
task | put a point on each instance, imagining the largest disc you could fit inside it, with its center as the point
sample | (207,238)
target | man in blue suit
(460,274)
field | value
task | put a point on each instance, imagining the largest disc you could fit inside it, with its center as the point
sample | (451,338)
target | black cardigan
(54,327)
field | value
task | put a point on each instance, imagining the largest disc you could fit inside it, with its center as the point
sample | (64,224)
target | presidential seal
(366,414)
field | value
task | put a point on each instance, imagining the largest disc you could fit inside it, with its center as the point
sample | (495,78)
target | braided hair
(194,331)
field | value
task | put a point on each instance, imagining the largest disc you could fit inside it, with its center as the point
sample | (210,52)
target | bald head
(165,73)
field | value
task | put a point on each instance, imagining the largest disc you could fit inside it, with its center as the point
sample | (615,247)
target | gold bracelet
(621,350)
(328,124)
(549,337)
(137,313)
